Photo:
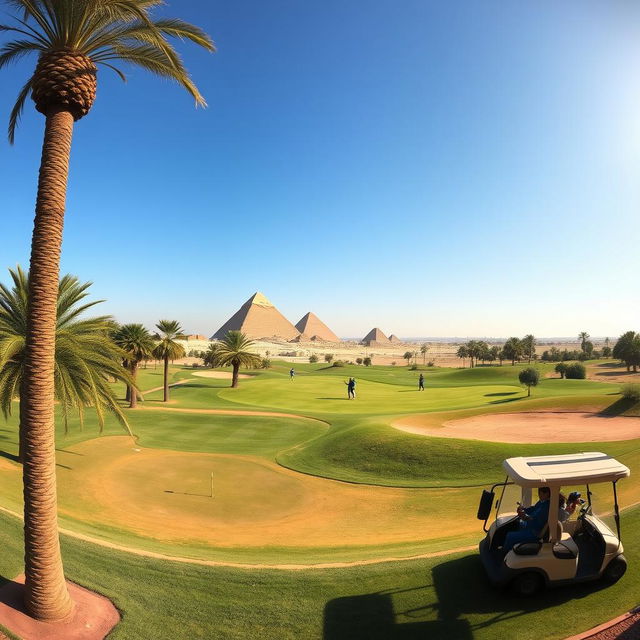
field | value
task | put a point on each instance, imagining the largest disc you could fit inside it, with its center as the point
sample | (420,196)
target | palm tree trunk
(133,393)
(46,594)
(166,379)
(234,377)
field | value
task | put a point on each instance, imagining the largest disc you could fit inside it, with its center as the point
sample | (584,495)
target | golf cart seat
(566,548)
(533,548)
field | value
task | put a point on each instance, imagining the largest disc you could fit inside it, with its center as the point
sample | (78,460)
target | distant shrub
(561,368)
(431,363)
(413,367)
(313,358)
(576,371)
(582,356)
(631,391)
(530,378)
(338,363)
(194,365)
(393,364)
(265,363)
(359,360)
(366,361)
(328,357)
(606,352)
(288,354)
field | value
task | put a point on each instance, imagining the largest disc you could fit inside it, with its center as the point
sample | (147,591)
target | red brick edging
(593,633)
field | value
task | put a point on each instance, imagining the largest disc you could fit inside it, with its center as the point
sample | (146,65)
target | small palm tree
(168,349)
(86,359)
(233,351)
(137,343)
(423,350)
(407,356)
(70,38)
(583,336)
(211,355)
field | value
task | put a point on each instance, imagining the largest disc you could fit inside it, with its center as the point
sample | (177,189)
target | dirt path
(527,427)
(234,412)
(244,565)
(173,384)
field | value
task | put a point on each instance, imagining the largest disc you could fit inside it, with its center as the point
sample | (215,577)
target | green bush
(576,371)
(338,363)
(413,367)
(631,391)
(561,368)
(265,363)
(366,361)
(313,358)
(530,378)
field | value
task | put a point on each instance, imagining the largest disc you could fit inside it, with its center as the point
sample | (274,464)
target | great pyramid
(375,338)
(258,318)
(311,327)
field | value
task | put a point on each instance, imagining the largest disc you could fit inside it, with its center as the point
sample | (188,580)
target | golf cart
(580,549)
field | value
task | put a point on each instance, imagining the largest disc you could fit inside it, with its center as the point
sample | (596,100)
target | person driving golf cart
(529,546)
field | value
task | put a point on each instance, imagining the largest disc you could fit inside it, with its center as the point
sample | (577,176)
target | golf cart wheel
(615,570)
(526,584)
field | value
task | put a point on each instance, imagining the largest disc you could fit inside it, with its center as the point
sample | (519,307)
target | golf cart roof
(575,468)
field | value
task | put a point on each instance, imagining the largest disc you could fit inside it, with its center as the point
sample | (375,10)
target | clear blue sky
(431,168)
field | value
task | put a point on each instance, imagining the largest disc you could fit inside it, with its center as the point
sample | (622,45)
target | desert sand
(225,375)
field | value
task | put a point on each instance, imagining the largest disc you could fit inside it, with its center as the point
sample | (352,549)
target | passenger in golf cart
(529,547)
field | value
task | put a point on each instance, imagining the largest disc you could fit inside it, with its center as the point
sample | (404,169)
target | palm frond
(86,358)
(16,49)
(16,112)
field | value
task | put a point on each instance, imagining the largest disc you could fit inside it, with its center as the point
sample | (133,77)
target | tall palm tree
(423,350)
(70,37)
(137,343)
(86,359)
(233,350)
(168,349)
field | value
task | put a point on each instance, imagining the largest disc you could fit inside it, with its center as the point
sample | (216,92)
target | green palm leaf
(105,31)
(87,360)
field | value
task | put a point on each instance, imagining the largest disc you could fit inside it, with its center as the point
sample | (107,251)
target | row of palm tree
(140,345)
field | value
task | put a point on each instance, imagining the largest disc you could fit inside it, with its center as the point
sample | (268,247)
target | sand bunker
(527,427)
(226,375)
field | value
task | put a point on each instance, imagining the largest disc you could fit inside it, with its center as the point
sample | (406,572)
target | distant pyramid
(394,338)
(312,327)
(375,338)
(258,318)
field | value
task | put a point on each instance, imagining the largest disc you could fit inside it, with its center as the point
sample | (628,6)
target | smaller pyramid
(311,326)
(394,338)
(375,338)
